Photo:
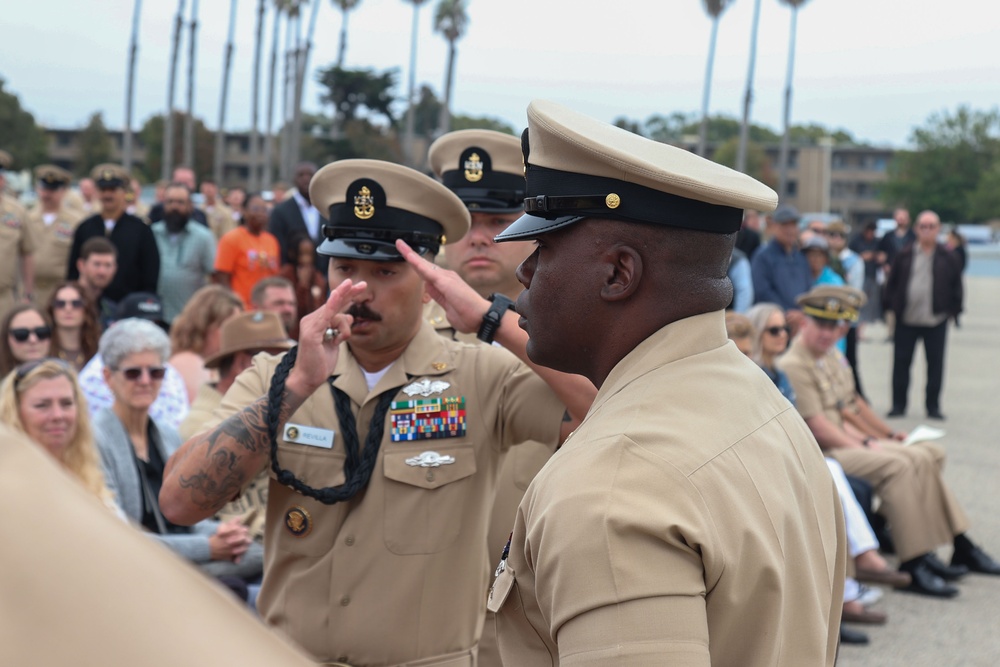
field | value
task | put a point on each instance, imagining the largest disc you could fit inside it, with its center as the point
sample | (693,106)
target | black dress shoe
(925,582)
(975,560)
(849,636)
(951,572)
(896,412)
(935,414)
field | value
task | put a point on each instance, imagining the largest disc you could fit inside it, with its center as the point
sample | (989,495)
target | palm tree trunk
(220,132)
(342,47)
(268,177)
(703,132)
(254,170)
(189,120)
(127,150)
(741,154)
(410,95)
(290,48)
(783,156)
(300,84)
(167,164)
(444,121)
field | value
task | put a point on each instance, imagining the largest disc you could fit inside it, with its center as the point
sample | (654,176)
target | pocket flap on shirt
(430,468)
(500,590)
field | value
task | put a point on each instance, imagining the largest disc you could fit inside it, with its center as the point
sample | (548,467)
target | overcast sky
(873,67)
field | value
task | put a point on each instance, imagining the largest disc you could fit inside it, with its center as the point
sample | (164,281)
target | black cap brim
(373,251)
(528,227)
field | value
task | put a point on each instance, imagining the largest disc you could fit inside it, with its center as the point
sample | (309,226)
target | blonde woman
(195,334)
(42,399)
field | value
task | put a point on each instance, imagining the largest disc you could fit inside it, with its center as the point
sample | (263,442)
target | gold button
(612,200)
(346,600)
(349,540)
(430,475)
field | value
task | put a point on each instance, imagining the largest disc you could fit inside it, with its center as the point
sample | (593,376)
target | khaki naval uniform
(519,467)
(689,520)
(114,597)
(53,241)
(16,241)
(220,220)
(921,509)
(394,575)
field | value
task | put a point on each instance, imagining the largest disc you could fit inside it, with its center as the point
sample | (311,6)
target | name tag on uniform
(308,435)
(428,419)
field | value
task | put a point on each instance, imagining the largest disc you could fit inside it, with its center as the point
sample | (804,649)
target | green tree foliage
(19,135)
(95,144)
(461,122)
(352,91)
(955,153)
(365,125)
(358,138)
(151,137)
(758,164)
(679,127)
(427,112)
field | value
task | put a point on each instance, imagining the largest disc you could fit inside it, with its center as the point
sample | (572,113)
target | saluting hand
(462,305)
(318,349)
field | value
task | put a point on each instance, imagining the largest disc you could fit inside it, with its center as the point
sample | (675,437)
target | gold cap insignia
(364,205)
(613,200)
(298,521)
(439,365)
(473,168)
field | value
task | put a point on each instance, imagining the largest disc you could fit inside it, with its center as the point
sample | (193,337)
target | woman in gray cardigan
(135,448)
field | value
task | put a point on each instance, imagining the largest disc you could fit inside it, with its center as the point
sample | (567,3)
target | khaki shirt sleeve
(808,397)
(527,408)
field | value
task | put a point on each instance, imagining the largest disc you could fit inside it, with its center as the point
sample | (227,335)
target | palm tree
(220,132)
(783,156)
(451,20)
(268,175)
(300,80)
(410,94)
(741,153)
(189,120)
(168,130)
(254,172)
(293,35)
(714,8)
(345,7)
(130,87)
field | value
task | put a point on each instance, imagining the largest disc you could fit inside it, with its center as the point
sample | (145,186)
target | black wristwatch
(493,317)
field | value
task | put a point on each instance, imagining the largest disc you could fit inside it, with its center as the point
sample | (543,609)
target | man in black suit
(138,256)
(296,216)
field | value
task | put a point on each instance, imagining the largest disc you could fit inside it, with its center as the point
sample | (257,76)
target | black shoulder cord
(358,467)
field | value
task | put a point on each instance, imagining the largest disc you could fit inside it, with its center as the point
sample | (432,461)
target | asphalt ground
(964,631)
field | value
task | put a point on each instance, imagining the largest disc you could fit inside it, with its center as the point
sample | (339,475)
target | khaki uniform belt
(466,658)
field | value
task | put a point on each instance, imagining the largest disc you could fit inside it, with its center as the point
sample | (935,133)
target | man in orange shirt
(248,253)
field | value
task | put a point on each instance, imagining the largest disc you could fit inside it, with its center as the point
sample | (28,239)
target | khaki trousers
(465,658)
(922,511)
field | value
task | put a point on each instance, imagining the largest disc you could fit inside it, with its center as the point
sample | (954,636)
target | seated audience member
(918,504)
(740,331)
(277,295)
(76,330)
(310,284)
(134,450)
(97,265)
(249,253)
(26,336)
(195,334)
(243,336)
(171,405)
(42,400)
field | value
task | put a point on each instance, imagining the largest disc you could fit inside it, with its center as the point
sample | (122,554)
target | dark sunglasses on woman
(75,304)
(21,334)
(776,331)
(134,373)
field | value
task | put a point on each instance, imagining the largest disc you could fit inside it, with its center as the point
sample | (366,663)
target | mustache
(362,311)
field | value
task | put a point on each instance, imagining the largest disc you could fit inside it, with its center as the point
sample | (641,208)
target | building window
(792,188)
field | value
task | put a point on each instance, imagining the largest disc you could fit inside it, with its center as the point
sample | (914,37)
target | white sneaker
(868,595)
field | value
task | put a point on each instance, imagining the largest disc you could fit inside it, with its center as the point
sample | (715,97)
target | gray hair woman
(135,448)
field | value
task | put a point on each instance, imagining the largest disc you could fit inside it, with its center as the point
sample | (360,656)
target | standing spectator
(138,258)
(196,331)
(780,270)
(76,327)
(865,245)
(17,246)
(277,295)
(97,265)
(851,268)
(183,175)
(187,252)
(249,253)
(220,217)
(297,215)
(235,199)
(748,238)
(890,246)
(25,335)
(88,193)
(52,224)
(924,290)
(956,244)
(310,285)
(136,206)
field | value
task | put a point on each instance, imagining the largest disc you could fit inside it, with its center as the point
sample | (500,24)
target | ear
(107,375)
(623,273)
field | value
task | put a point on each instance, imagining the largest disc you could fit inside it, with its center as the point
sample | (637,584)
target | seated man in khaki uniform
(921,509)
(690,519)
(112,597)
(384,440)
(485,170)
